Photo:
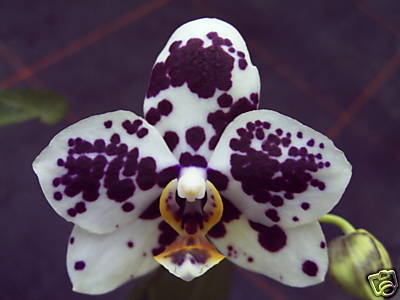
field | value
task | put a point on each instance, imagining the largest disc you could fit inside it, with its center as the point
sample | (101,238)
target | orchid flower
(203,176)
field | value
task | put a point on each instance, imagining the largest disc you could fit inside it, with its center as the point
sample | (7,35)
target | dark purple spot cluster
(135,127)
(154,115)
(229,214)
(204,69)
(221,118)
(91,165)
(187,160)
(266,177)
(167,236)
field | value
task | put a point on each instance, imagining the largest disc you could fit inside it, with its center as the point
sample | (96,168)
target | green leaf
(23,105)
(213,285)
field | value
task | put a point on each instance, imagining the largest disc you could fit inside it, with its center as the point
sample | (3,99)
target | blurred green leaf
(23,105)
(213,285)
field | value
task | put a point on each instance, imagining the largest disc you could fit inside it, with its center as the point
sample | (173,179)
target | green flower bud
(353,258)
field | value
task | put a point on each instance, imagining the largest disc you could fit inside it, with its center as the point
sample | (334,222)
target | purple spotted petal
(103,171)
(201,81)
(278,171)
(294,256)
(99,263)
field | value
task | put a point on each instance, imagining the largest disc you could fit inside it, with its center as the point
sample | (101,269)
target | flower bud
(353,258)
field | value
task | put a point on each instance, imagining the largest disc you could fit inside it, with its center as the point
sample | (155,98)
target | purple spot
(272,214)
(203,69)
(129,244)
(322,245)
(225,100)
(195,137)
(242,64)
(260,134)
(57,196)
(327,164)
(220,119)
(131,128)
(272,239)
(152,211)
(186,160)
(164,107)
(321,145)
(277,201)
(121,190)
(218,179)
(229,214)
(142,132)
(254,98)
(147,176)
(153,116)
(108,124)
(299,135)
(310,268)
(172,140)
(71,212)
(79,265)
(279,131)
(231,50)
(166,237)
(72,240)
(295,219)
(250,259)
(305,205)
(266,125)
(115,139)
(127,207)
(167,174)
(60,162)
(80,207)
(311,143)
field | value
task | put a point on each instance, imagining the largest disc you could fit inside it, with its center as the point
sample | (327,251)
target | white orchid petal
(202,79)
(99,263)
(294,256)
(276,170)
(103,171)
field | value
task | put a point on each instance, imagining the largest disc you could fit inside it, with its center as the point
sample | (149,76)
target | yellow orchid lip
(191,254)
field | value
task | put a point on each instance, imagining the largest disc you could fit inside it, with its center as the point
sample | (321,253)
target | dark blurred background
(333,65)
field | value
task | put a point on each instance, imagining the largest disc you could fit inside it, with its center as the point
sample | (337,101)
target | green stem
(343,224)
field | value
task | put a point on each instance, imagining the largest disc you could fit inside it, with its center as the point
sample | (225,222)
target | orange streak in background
(292,77)
(379,19)
(16,63)
(77,45)
(372,88)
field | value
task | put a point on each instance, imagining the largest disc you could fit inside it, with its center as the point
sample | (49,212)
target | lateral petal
(276,170)
(102,172)
(294,256)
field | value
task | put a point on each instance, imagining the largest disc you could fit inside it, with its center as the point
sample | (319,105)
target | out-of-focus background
(333,65)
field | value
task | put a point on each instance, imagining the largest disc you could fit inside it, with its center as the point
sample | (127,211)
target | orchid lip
(191,254)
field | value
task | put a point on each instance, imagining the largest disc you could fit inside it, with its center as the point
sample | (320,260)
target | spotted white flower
(205,175)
